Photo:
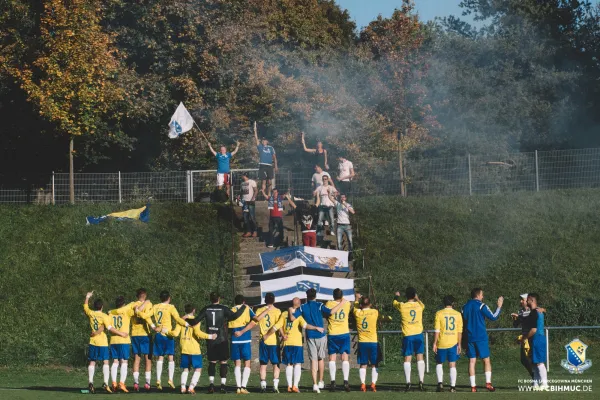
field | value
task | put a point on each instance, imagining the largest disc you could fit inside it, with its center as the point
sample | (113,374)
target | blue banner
(307,257)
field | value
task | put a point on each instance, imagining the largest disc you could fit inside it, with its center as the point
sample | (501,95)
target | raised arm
(86,306)
(326,162)
(492,316)
(307,149)
(211,149)
(256,134)
(289,199)
(237,147)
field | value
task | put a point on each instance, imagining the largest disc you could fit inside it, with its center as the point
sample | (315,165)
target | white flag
(181,122)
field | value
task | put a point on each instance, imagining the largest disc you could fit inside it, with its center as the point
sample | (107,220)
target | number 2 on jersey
(159,320)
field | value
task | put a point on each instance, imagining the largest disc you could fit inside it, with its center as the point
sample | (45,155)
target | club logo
(576,362)
(303,286)
(176,127)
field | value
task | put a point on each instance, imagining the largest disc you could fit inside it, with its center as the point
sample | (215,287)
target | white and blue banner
(303,256)
(285,289)
(181,122)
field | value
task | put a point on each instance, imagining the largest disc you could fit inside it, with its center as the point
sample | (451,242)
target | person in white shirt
(345,175)
(317,178)
(326,207)
(344,210)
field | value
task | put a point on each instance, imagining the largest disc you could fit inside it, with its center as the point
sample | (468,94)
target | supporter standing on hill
(317,178)
(275,205)
(326,206)
(345,175)
(223,165)
(343,210)
(307,216)
(249,193)
(474,314)
(319,153)
(267,163)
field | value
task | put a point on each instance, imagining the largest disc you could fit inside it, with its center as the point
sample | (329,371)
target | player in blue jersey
(223,169)
(533,332)
(474,314)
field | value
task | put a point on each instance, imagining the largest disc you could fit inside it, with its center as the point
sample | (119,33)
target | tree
(72,79)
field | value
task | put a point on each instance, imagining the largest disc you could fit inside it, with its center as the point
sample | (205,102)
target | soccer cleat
(263,390)
(316,389)
(123,388)
(452,389)
(346,386)
(440,388)
(171,385)
(106,388)
(147,386)
(408,387)
(489,387)
(191,391)
(223,389)
(91,388)
(183,390)
(421,387)
(244,391)
(321,385)
(363,387)
(136,387)
(473,389)
(211,388)
(238,391)
(275,390)
(373,387)
(158,386)
(254,234)
(114,386)
(289,389)
(295,389)
(332,386)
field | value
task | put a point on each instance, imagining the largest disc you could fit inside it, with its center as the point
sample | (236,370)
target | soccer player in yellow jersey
(164,313)
(411,314)
(368,352)
(241,343)
(120,347)
(291,345)
(268,348)
(98,347)
(190,350)
(338,336)
(446,342)
(140,338)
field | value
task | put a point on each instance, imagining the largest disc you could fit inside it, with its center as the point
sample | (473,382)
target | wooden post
(401,165)
(71,173)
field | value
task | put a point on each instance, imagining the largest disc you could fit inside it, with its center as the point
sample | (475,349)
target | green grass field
(61,383)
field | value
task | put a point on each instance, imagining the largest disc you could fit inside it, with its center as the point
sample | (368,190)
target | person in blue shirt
(267,163)
(474,314)
(316,342)
(533,332)
(223,169)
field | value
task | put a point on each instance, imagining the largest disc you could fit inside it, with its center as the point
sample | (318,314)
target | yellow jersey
(337,323)
(97,319)
(121,320)
(188,338)
(163,315)
(411,314)
(291,329)
(141,320)
(269,321)
(240,323)
(449,323)
(366,324)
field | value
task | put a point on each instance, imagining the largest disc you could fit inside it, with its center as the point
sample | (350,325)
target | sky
(364,11)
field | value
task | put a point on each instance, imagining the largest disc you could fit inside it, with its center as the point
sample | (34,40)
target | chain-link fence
(450,176)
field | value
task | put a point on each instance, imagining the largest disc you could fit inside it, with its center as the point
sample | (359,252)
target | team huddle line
(282,339)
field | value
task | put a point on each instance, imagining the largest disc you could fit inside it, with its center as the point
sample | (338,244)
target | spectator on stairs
(325,206)
(223,165)
(307,216)
(319,153)
(267,163)
(345,175)
(343,209)
(248,203)
(317,178)
(275,205)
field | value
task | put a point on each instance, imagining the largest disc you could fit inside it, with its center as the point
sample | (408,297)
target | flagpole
(197,127)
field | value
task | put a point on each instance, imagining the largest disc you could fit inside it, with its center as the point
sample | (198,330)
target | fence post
(470,180)
(191,186)
(426,352)
(547,349)
(120,194)
(53,192)
(537,173)
(383,352)
(187,186)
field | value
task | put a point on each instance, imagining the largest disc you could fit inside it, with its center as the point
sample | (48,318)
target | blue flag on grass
(136,214)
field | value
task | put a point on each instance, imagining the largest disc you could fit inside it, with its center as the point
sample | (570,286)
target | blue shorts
(97,353)
(191,360)
(413,344)
(450,355)
(140,345)
(478,349)
(367,354)
(338,344)
(120,351)
(268,354)
(163,346)
(292,355)
(538,349)
(240,351)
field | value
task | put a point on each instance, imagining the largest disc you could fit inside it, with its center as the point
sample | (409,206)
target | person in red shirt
(275,204)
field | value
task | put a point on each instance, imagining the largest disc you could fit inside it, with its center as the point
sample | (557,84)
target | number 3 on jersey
(268,319)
